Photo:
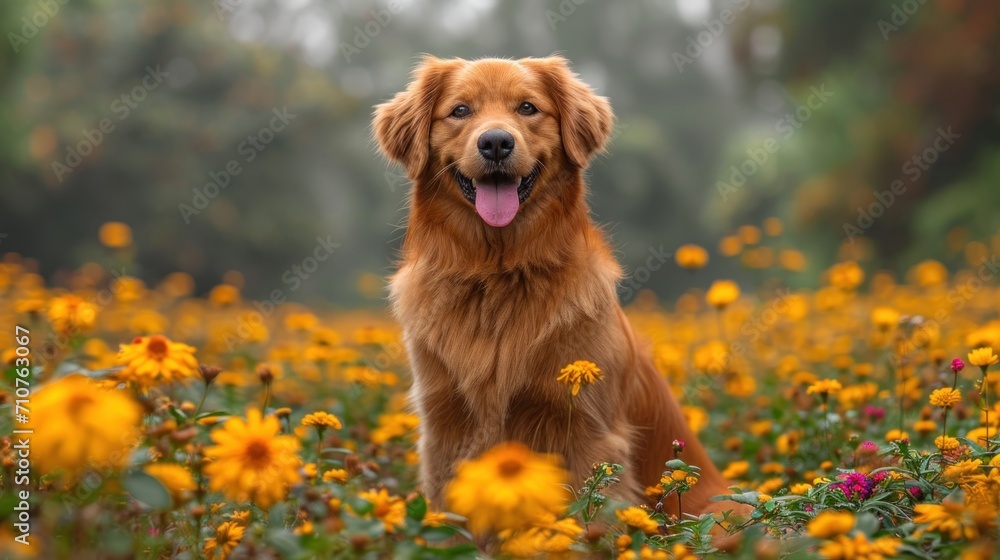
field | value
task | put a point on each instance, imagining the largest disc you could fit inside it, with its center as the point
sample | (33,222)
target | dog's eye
(527,109)
(461,112)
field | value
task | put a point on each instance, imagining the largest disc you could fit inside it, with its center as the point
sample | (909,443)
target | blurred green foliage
(682,126)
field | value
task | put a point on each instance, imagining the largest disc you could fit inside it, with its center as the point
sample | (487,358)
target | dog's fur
(491,314)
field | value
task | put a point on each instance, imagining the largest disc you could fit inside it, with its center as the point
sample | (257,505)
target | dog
(504,280)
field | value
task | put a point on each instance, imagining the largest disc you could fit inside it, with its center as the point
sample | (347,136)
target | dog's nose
(495,144)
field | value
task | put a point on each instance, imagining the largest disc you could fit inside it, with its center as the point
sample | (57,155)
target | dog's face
(496,131)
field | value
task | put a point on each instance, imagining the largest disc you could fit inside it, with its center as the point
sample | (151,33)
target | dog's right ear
(402,125)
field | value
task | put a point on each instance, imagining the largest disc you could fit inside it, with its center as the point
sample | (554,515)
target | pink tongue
(496,202)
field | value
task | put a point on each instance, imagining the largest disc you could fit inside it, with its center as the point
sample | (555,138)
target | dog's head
(498,130)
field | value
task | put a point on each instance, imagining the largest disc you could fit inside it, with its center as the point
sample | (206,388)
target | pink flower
(957,365)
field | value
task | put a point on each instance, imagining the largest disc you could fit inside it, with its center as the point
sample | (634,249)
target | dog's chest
(503,323)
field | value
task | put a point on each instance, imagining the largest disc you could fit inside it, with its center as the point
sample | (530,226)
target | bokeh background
(698,86)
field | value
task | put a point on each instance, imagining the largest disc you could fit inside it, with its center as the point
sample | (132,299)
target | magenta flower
(957,365)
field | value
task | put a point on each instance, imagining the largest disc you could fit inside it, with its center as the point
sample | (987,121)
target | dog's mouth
(497,196)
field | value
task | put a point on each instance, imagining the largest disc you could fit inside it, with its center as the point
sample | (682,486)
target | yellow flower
(250,461)
(696,417)
(227,536)
(750,235)
(894,435)
(152,359)
(722,293)
(304,322)
(736,469)
(71,315)
(771,485)
(637,518)
(945,397)
(730,246)
(824,387)
(963,469)
(224,294)
(434,519)
(846,275)
(983,357)
(713,357)
(391,426)
(115,235)
(946,443)
(321,421)
(241,517)
(830,523)
(924,427)
(792,260)
(859,547)
(691,257)
(885,318)
(175,478)
(373,335)
(79,425)
(929,273)
(390,510)
(508,487)
(550,539)
(773,226)
(800,488)
(579,373)
(952,519)
(335,475)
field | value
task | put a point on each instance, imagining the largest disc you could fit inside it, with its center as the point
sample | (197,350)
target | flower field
(859,419)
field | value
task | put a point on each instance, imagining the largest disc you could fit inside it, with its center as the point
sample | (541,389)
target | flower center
(77,403)
(258,453)
(157,346)
(510,467)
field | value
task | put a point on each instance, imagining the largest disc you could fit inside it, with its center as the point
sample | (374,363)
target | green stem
(267,397)
(986,402)
(202,401)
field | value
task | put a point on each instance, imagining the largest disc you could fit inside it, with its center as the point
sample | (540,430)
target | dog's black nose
(495,144)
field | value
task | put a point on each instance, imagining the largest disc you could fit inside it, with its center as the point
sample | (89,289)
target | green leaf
(147,490)
(676,464)
(178,415)
(416,508)
(117,542)
(277,514)
(433,534)
(283,541)
(212,414)
(344,450)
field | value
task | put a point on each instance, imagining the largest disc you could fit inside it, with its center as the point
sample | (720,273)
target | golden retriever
(504,280)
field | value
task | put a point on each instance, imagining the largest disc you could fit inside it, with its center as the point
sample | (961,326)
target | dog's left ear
(585,118)
(402,125)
